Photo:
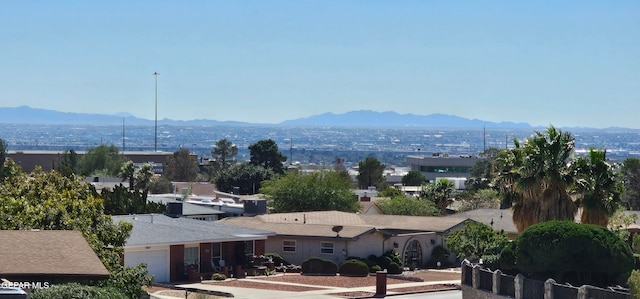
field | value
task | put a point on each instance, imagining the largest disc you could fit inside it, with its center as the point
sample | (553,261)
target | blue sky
(566,63)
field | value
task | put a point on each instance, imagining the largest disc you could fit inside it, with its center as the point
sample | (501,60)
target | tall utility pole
(155,139)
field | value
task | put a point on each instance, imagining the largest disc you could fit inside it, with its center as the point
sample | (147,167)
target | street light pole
(155,139)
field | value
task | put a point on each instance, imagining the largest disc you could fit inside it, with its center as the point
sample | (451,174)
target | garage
(157,262)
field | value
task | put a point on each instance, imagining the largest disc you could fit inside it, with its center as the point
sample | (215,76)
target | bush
(354,267)
(316,265)
(394,269)
(277,259)
(439,254)
(375,268)
(77,291)
(634,284)
(569,252)
(218,276)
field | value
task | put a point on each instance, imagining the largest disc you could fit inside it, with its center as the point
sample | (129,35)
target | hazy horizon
(570,64)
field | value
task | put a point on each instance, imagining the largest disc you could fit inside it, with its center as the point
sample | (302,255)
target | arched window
(413,254)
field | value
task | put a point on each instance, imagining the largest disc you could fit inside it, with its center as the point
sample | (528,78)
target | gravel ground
(320,282)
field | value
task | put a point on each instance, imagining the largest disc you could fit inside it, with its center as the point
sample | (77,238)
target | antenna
(337,230)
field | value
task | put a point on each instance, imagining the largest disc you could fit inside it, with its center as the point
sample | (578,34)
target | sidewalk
(238,292)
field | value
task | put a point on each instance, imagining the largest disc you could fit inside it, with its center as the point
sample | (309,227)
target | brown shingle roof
(48,252)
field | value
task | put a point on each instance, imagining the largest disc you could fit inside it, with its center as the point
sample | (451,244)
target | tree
(475,241)
(48,200)
(370,173)
(536,175)
(3,157)
(316,191)
(68,163)
(122,201)
(265,153)
(245,176)
(630,174)
(439,193)
(482,172)
(101,160)
(408,205)
(597,187)
(223,155)
(481,199)
(160,185)
(182,166)
(413,178)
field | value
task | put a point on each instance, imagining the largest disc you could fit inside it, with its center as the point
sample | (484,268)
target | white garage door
(156,261)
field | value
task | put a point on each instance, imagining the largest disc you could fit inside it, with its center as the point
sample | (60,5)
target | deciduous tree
(102,160)
(408,205)
(246,176)
(413,178)
(317,191)
(48,200)
(475,241)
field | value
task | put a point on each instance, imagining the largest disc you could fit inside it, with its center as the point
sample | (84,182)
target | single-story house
(501,220)
(47,257)
(173,247)
(337,235)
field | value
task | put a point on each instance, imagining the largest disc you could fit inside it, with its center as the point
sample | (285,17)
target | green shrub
(277,259)
(316,265)
(439,254)
(354,267)
(384,261)
(394,256)
(375,268)
(77,291)
(218,276)
(634,284)
(569,252)
(394,269)
(491,261)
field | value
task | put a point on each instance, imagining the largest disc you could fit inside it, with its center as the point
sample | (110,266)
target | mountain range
(362,118)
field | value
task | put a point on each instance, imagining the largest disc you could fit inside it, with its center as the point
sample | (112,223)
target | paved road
(434,295)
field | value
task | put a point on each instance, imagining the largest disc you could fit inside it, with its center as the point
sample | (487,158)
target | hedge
(316,265)
(354,267)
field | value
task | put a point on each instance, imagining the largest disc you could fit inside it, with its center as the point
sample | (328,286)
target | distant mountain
(28,115)
(367,118)
(364,118)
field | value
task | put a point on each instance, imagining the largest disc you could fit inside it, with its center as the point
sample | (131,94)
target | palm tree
(439,193)
(536,175)
(598,189)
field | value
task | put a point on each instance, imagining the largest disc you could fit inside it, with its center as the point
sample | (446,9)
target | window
(191,256)
(248,248)
(326,248)
(289,246)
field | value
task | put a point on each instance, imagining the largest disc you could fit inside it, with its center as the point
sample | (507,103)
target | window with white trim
(326,247)
(289,246)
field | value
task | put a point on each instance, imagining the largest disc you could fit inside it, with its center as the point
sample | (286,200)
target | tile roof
(48,252)
(164,230)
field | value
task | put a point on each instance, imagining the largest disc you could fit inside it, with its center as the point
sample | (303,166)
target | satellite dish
(337,230)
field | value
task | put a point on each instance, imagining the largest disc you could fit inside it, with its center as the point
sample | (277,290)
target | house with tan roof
(48,256)
(337,235)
